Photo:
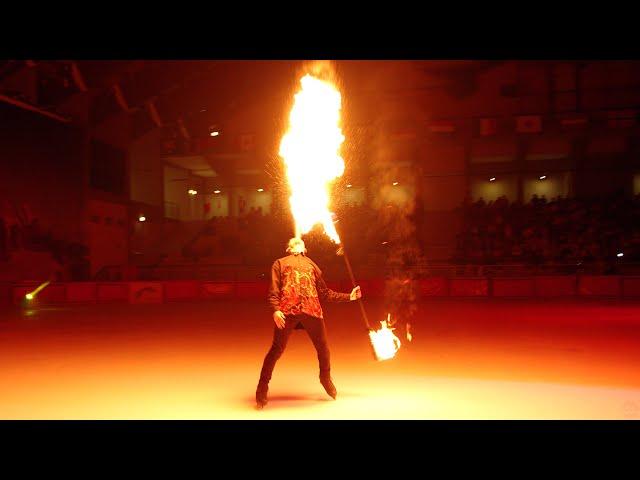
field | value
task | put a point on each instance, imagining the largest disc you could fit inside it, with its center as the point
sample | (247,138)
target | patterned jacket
(297,286)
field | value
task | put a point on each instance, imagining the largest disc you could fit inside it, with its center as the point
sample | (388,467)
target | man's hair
(296,246)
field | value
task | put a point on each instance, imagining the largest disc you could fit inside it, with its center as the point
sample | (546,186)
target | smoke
(394,188)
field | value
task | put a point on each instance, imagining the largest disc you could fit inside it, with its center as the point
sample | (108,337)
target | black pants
(317,333)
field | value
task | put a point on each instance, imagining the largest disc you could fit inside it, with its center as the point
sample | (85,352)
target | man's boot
(328,385)
(261,394)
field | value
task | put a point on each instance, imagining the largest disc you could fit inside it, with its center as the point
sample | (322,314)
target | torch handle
(353,282)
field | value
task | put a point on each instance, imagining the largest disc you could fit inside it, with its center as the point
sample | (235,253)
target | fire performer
(296,288)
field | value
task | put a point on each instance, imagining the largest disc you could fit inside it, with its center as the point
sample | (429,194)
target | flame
(384,342)
(311,153)
(32,295)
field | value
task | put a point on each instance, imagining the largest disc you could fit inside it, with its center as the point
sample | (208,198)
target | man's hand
(278,318)
(355,293)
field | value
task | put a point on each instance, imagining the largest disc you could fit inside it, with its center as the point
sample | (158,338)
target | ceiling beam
(33,108)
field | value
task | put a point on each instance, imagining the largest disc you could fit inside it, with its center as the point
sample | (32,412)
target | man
(294,295)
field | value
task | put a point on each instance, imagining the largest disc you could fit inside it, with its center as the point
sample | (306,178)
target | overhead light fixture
(395,183)
(261,189)
(492,179)
(192,192)
(142,218)
(216,191)
(215,133)
(620,254)
(349,185)
(542,177)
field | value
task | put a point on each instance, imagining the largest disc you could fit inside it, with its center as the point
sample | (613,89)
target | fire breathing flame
(384,342)
(311,153)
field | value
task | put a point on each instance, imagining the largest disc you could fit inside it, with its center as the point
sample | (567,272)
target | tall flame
(384,341)
(311,153)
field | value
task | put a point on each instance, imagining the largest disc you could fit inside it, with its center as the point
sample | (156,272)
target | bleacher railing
(243,272)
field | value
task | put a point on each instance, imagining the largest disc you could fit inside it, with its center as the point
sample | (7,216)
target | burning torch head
(384,342)
(296,246)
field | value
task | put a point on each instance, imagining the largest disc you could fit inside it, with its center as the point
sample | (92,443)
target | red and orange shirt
(297,286)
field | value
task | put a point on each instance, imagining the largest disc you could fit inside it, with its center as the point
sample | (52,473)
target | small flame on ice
(384,341)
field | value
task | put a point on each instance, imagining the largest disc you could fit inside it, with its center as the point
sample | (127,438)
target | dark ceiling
(196,92)
(192,96)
